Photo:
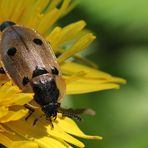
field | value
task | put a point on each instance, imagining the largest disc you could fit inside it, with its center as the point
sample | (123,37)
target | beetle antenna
(70,113)
(75,113)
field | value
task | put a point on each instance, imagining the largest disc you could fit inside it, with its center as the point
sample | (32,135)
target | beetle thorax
(45,89)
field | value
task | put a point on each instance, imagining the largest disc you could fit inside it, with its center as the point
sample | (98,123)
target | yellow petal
(79,45)
(58,132)
(65,6)
(69,126)
(23,144)
(71,7)
(66,34)
(36,13)
(83,79)
(37,134)
(19,99)
(3,8)
(14,115)
(26,8)
(8,89)
(13,95)
(86,88)
(72,68)
(3,111)
(47,142)
(16,16)
(47,20)
(5,140)
(85,61)
(53,4)
(54,35)
(47,137)
(51,17)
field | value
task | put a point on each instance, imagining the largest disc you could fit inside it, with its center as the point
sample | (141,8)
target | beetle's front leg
(31,111)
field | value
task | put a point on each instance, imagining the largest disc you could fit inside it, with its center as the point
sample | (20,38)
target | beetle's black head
(51,109)
(6,24)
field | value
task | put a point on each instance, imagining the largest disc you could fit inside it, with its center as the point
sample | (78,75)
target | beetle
(28,60)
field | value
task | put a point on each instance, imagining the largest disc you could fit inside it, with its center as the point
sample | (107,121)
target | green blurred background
(121,49)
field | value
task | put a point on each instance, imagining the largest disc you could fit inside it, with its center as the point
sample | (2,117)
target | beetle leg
(55,118)
(2,71)
(37,119)
(50,120)
(31,110)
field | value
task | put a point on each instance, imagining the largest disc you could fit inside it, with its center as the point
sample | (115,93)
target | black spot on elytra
(39,71)
(25,81)
(57,54)
(6,24)
(2,71)
(11,51)
(37,41)
(54,71)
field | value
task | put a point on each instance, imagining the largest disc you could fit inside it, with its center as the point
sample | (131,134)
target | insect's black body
(44,88)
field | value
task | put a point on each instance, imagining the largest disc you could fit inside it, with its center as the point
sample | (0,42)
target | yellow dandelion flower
(66,42)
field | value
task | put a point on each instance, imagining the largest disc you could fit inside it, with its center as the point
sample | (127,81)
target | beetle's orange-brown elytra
(30,63)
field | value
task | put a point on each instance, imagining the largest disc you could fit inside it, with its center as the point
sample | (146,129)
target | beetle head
(51,110)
